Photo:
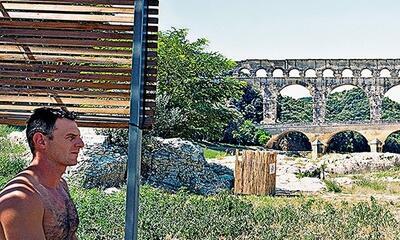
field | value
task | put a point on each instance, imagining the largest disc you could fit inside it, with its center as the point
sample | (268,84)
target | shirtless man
(36,204)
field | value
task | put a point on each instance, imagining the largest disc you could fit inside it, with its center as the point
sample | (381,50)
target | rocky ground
(297,175)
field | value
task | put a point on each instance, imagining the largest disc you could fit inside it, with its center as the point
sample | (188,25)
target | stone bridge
(320,135)
(320,76)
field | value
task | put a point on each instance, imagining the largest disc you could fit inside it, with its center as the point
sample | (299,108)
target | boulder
(99,163)
(175,163)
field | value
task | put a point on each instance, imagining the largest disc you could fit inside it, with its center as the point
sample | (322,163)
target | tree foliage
(243,129)
(390,109)
(194,81)
(250,104)
(294,110)
(349,105)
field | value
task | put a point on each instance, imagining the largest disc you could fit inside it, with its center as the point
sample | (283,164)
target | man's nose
(80,143)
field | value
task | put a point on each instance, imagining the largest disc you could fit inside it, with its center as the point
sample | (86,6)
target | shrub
(11,157)
(332,186)
(101,215)
(262,136)
(115,136)
(246,133)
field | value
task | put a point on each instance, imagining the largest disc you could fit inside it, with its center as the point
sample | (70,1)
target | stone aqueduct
(320,76)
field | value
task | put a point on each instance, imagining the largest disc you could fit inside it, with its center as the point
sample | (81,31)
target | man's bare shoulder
(20,194)
(21,205)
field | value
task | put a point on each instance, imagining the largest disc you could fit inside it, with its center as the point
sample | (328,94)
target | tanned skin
(36,205)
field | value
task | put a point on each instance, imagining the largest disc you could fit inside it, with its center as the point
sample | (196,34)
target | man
(36,204)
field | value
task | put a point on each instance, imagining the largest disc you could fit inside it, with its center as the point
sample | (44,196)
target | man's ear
(39,140)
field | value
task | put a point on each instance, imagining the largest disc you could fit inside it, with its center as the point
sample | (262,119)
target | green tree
(349,105)
(196,84)
(294,110)
(390,109)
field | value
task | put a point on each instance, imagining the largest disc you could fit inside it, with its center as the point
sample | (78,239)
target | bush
(246,133)
(262,136)
(332,186)
(115,136)
(11,157)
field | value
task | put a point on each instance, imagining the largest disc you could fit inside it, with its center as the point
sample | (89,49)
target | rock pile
(175,163)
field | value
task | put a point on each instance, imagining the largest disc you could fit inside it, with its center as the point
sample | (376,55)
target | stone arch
(334,114)
(328,72)
(293,143)
(244,72)
(345,146)
(347,72)
(278,72)
(261,72)
(366,73)
(294,103)
(389,108)
(384,73)
(310,73)
(392,142)
(391,88)
(299,83)
(294,72)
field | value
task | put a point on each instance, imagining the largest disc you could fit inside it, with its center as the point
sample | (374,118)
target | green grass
(210,153)
(225,216)
(393,172)
(370,184)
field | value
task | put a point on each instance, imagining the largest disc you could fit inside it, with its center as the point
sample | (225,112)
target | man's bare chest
(60,219)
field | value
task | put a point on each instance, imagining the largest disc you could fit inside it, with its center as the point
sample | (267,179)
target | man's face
(66,143)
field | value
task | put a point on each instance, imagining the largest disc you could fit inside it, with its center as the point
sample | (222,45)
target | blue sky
(290,28)
(286,29)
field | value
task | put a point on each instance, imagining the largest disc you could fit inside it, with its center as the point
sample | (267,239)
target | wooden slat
(64,42)
(66,8)
(64,92)
(63,34)
(63,84)
(95,2)
(75,59)
(70,76)
(77,26)
(64,68)
(69,17)
(75,109)
(70,51)
(63,100)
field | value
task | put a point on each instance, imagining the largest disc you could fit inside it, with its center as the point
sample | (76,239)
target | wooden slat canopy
(76,54)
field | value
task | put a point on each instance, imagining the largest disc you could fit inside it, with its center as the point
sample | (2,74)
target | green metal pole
(136,120)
